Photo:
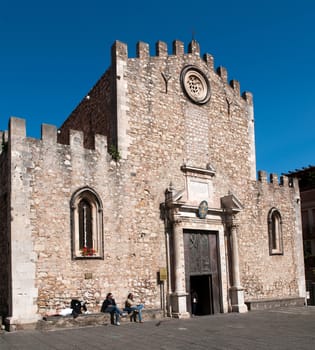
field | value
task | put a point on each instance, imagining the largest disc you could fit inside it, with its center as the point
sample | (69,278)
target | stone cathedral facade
(149,186)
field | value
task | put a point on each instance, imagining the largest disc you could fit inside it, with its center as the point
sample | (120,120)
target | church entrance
(201,295)
(202,272)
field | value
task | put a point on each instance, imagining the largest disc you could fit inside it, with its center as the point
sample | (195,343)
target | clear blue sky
(53,52)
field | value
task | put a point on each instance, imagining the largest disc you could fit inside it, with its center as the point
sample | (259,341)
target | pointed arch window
(275,232)
(86,224)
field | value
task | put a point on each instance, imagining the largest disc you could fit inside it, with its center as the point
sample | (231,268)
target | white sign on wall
(198,190)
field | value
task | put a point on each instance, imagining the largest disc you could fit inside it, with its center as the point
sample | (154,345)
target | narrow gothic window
(86,224)
(275,232)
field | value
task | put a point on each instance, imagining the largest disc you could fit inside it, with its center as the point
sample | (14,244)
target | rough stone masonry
(149,187)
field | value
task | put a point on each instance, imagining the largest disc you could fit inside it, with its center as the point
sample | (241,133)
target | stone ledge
(264,304)
(85,320)
(54,322)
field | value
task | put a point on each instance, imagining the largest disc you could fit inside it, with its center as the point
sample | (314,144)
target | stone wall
(94,114)
(165,130)
(264,275)
(4,226)
(56,171)
(139,106)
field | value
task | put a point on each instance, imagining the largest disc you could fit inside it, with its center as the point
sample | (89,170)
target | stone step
(84,320)
(264,304)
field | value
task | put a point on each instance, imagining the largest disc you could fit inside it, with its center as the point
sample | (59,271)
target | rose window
(195,84)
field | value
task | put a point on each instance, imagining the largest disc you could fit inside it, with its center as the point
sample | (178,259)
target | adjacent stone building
(149,186)
(306,178)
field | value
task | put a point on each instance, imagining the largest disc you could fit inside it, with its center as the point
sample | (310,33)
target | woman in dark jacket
(109,305)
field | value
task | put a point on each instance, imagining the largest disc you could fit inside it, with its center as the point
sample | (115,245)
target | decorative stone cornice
(190,170)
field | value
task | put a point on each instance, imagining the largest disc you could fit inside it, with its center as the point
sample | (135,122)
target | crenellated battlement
(49,135)
(274,179)
(120,50)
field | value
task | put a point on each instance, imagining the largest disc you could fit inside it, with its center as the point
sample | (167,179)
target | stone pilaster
(236,291)
(23,292)
(179,295)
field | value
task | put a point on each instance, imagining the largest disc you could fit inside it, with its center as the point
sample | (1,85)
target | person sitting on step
(109,305)
(134,309)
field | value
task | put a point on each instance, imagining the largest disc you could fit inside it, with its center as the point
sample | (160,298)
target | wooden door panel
(201,258)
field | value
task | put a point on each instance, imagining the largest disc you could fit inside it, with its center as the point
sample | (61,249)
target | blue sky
(53,52)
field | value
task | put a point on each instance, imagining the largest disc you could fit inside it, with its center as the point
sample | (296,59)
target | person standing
(194,302)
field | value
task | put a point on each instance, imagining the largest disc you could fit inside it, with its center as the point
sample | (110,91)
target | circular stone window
(195,84)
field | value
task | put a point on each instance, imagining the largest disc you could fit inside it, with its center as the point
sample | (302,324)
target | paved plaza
(283,328)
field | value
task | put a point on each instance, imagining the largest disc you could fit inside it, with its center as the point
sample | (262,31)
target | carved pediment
(231,203)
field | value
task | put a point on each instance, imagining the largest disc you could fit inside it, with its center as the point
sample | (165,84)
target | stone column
(236,291)
(179,295)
